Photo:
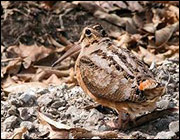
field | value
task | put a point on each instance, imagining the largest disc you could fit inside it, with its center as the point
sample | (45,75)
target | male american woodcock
(113,76)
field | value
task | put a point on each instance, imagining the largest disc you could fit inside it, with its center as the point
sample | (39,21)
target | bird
(113,76)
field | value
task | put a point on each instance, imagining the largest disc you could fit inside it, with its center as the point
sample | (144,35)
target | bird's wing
(107,84)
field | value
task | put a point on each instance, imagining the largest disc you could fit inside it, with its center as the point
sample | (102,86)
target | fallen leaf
(175,10)
(29,54)
(45,72)
(150,27)
(13,67)
(164,34)
(59,130)
(18,133)
(23,87)
(53,80)
(147,56)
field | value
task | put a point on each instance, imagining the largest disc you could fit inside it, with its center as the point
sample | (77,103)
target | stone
(94,117)
(162,124)
(29,125)
(95,137)
(27,96)
(163,104)
(138,135)
(103,128)
(16,102)
(165,135)
(174,126)
(12,110)
(6,135)
(58,104)
(61,108)
(10,122)
(24,113)
(44,100)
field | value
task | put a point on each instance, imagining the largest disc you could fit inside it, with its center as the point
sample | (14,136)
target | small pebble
(29,125)
(45,100)
(25,97)
(174,126)
(24,113)
(61,108)
(163,104)
(10,122)
(12,110)
(165,135)
(95,137)
(58,104)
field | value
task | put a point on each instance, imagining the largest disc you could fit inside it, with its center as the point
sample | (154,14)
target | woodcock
(113,76)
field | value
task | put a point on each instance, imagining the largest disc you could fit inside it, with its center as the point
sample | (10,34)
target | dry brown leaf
(18,133)
(30,54)
(168,2)
(135,6)
(164,34)
(5,4)
(53,80)
(148,57)
(112,18)
(150,27)
(131,28)
(13,67)
(45,72)
(55,43)
(23,87)
(59,130)
(90,6)
(175,10)
(111,5)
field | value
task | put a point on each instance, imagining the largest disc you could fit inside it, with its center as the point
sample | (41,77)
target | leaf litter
(35,34)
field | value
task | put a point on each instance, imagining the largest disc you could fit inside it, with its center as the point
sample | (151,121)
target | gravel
(70,106)
(174,126)
(165,135)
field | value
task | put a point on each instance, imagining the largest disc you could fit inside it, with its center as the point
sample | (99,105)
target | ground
(35,97)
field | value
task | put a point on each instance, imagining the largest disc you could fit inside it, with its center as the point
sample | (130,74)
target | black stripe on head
(100,30)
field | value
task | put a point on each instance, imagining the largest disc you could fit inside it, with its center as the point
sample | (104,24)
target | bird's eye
(88,32)
(103,33)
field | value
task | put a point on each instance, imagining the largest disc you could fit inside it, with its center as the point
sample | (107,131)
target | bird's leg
(123,119)
(121,123)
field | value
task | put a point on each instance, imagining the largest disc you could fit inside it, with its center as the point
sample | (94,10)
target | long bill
(76,48)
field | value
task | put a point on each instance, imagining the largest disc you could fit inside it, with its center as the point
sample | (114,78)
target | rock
(27,96)
(174,126)
(72,110)
(53,111)
(58,104)
(95,137)
(12,110)
(6,135)
(42,91)
(103,128)
(74,114)
(94,117)
(61,108)
(24,113)
(45,100)
(163,104)
(165,135)
(138,135)
(75,119)
(29,125)
(16,102)
(162,124)
(10,122)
